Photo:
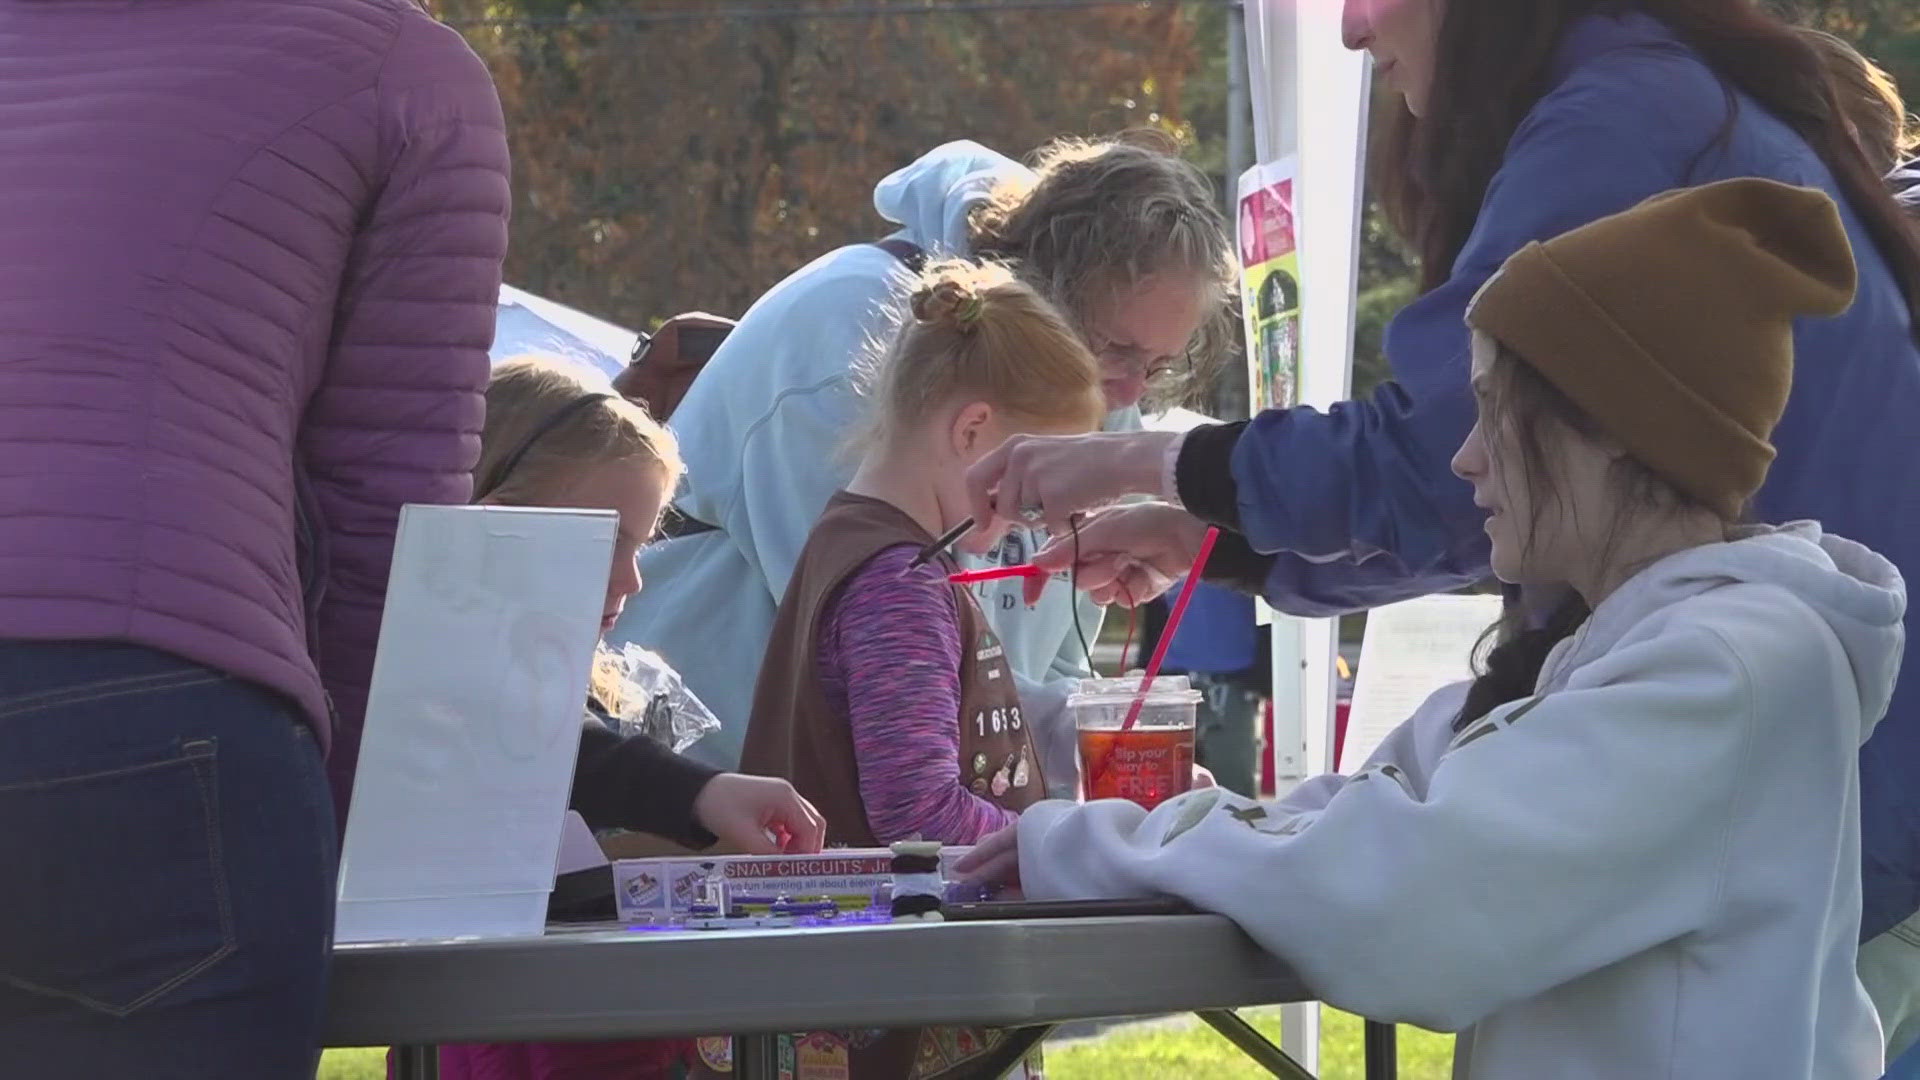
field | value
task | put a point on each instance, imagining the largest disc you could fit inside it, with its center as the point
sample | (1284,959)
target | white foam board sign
(473,722)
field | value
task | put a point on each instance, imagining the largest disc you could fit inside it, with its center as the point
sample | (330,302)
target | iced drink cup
(1148,763)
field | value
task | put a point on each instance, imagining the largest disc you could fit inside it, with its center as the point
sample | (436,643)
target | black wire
(1073,593)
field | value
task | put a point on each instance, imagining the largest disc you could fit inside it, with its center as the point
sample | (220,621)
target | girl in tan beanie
(1646,861)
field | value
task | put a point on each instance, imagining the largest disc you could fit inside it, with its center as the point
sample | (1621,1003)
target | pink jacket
(249,257)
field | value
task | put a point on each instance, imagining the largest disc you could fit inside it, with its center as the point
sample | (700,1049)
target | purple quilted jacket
(249,257)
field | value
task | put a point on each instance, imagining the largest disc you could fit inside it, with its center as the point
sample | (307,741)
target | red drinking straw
(1166,639)
(1024,570)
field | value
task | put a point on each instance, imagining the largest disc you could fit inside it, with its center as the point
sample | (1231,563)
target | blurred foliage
(679,154)
(667,159)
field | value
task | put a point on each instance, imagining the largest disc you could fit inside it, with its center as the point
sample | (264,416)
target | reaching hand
(759,815)
(994,860)
(1034,480)
(1127,555)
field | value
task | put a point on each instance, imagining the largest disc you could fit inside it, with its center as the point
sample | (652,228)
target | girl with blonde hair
(553,440)
(885,696)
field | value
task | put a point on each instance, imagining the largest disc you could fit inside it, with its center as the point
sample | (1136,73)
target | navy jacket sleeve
(633,782)
(1358,503)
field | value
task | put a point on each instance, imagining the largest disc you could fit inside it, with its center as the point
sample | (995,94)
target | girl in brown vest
(884,695)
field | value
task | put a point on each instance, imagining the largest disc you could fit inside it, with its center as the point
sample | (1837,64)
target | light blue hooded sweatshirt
(1649,868)
(765,431)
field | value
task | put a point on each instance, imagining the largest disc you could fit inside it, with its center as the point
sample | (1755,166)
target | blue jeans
(166,870)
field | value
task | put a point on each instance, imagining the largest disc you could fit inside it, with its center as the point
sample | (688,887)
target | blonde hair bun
(978,331)
(951,298)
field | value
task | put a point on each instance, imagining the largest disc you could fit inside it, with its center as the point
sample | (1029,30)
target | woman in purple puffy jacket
(249,256)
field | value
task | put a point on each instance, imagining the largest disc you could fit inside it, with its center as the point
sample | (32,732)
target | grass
(1157,1051)
(356,1064)
(1191,1049)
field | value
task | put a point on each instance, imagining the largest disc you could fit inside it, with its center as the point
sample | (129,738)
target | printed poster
(1270,282)
(1411,649)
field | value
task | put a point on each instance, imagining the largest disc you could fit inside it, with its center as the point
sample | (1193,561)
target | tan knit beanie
(1671,324)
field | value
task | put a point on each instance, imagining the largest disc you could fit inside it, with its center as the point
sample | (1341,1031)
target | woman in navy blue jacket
(1525,119)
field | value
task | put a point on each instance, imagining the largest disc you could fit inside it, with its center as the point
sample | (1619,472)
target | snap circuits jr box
(662,891)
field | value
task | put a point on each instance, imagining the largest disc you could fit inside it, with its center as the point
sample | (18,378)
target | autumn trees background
(679,154)
(665,159)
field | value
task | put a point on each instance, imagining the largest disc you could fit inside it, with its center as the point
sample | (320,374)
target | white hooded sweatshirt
(1649,869)
(766,432)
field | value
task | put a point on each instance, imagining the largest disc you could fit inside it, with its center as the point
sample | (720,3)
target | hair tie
(970,310)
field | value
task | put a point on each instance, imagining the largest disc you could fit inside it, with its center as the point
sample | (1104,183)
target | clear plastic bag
(645,696)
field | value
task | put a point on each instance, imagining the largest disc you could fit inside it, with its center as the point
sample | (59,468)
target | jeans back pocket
(112,889)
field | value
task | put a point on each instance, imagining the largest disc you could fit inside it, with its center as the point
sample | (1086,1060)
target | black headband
(512,461)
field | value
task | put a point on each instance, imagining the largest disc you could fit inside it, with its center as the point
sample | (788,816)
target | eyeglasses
(1133,358)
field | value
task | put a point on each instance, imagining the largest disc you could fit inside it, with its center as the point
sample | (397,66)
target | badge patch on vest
(944,1050)
(820,1055)
(989,649)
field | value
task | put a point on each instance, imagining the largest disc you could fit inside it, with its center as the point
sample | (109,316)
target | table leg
(756,1057)
(1020,1042)
(1381,1043)
(416,1063)
(1253,1044)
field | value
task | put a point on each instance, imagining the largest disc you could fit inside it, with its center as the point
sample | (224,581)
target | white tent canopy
(531,324)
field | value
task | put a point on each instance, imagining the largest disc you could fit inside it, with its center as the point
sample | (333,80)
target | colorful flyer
(1270,282)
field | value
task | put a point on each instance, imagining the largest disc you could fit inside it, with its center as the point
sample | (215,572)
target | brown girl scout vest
(794,733)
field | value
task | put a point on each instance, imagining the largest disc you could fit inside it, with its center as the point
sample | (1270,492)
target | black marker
(940,546)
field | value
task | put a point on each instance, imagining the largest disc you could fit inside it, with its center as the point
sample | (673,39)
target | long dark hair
(1523,404)
(1491,67)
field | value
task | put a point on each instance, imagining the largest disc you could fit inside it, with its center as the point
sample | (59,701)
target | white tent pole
(1271,37)
(1332,194)
(1293,45)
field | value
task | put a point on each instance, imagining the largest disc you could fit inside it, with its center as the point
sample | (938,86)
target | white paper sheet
(473,721)
(578,849)
(1411,649)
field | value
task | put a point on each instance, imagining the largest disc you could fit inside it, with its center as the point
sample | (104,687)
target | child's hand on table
(759,815)
(995,858)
